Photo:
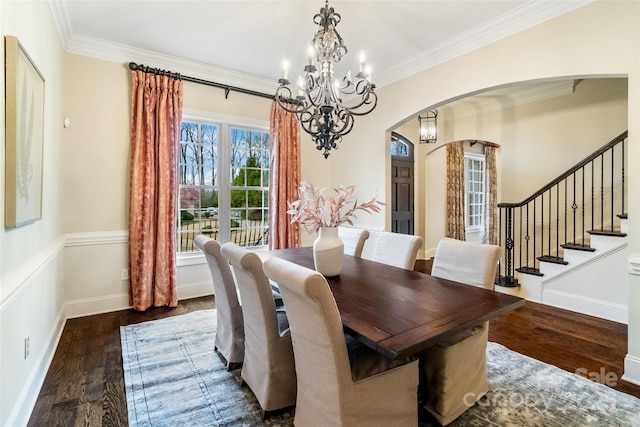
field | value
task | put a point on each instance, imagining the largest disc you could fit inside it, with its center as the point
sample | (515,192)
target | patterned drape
(284,177)
(491,194)
(156,112)
(455,191)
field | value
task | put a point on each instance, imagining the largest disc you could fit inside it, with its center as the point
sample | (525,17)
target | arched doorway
(402,215)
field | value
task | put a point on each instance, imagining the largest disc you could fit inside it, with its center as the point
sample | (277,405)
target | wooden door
(402,220)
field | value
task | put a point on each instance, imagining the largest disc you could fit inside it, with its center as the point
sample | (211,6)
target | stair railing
(562,214)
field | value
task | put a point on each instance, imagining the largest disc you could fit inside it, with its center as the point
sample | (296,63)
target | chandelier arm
(319,104)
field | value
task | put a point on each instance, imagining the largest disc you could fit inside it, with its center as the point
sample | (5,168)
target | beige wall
(539,141)
(40,262)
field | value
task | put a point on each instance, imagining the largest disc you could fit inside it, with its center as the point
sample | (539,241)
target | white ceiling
(243,42)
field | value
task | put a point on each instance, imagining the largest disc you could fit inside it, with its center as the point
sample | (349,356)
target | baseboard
(195,290)
(631,370)
(98,305)
(29,394)
(593,307)
(116,302)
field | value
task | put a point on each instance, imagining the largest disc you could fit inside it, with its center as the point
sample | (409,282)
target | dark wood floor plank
(85,385)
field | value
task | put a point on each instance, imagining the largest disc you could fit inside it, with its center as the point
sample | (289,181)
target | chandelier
(319,100)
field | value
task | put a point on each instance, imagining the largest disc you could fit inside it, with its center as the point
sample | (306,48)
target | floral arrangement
(315,210)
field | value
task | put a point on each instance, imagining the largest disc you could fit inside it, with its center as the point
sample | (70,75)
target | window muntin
(474,179)
(223,184)
(399,148)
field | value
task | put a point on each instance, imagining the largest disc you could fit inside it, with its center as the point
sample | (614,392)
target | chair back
(320,351)
(230,326)
(268,368)
(398,250)
(353,239)
(466,262)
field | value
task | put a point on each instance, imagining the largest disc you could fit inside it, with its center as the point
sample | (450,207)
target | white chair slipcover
(340,381)
(268,367)
(398,250)
(353,239)
(229,339)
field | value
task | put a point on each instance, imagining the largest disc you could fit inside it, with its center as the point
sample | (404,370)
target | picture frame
(24,136)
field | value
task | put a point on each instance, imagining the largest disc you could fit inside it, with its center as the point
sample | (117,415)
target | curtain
(284,177)
(156,112)
(491,195)
(455,191)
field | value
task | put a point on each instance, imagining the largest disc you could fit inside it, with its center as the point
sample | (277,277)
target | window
(474,174)
(223,175)
(398,147)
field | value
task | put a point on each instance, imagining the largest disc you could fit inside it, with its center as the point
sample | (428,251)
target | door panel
(402,196)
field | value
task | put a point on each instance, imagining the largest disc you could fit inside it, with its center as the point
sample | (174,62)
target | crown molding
(114,52)
(508,97)
(61,18)
(517,20)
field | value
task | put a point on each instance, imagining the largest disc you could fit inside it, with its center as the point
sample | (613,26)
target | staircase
(566,244)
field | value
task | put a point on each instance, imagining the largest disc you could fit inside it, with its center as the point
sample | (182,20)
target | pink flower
(314,210)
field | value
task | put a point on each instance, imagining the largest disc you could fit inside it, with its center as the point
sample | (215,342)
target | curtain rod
(485,143)
(227,88)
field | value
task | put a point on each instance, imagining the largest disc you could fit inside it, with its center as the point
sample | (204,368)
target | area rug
(173,377)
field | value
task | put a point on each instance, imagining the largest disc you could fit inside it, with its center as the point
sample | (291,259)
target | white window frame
(467,158)
(224,124)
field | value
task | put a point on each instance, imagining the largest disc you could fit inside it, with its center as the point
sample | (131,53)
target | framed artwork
(24,127)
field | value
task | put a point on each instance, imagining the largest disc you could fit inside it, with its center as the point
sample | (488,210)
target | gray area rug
(173,377)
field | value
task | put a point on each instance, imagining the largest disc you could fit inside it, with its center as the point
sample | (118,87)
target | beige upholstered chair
(268,367)
(455,371)
(229,341)
(398,250)
(353,239)
(471,263)
(340,381)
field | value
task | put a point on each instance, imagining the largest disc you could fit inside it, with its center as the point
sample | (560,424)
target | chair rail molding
(97,238)
(16,282)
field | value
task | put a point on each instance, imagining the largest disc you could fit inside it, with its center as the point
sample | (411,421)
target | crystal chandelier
(318,103)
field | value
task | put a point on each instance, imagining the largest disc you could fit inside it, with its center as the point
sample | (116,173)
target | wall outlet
(124,274)
(26,347)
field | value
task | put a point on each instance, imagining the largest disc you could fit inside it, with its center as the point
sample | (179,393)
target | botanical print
(25,91)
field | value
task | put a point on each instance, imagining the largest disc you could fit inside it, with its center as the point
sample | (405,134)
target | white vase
(328,250)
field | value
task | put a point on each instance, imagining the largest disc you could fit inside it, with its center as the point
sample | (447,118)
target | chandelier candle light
(318,103)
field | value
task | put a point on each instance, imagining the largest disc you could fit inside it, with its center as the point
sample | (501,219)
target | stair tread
(529,270)
(578,247)
(552,259)
(607,233)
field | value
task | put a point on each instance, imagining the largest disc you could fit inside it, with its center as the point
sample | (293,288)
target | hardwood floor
(85,386)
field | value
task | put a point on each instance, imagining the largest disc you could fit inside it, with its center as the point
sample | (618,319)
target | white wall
(31,256)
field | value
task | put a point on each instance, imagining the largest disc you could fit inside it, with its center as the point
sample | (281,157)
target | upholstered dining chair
(455,371)
(340,381)
(229,341)
(398,250)
(353,239)
(268,367)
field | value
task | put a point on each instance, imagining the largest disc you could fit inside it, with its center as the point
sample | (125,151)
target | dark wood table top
(400,312)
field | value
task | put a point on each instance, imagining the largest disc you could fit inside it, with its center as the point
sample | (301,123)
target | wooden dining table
(400,312)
